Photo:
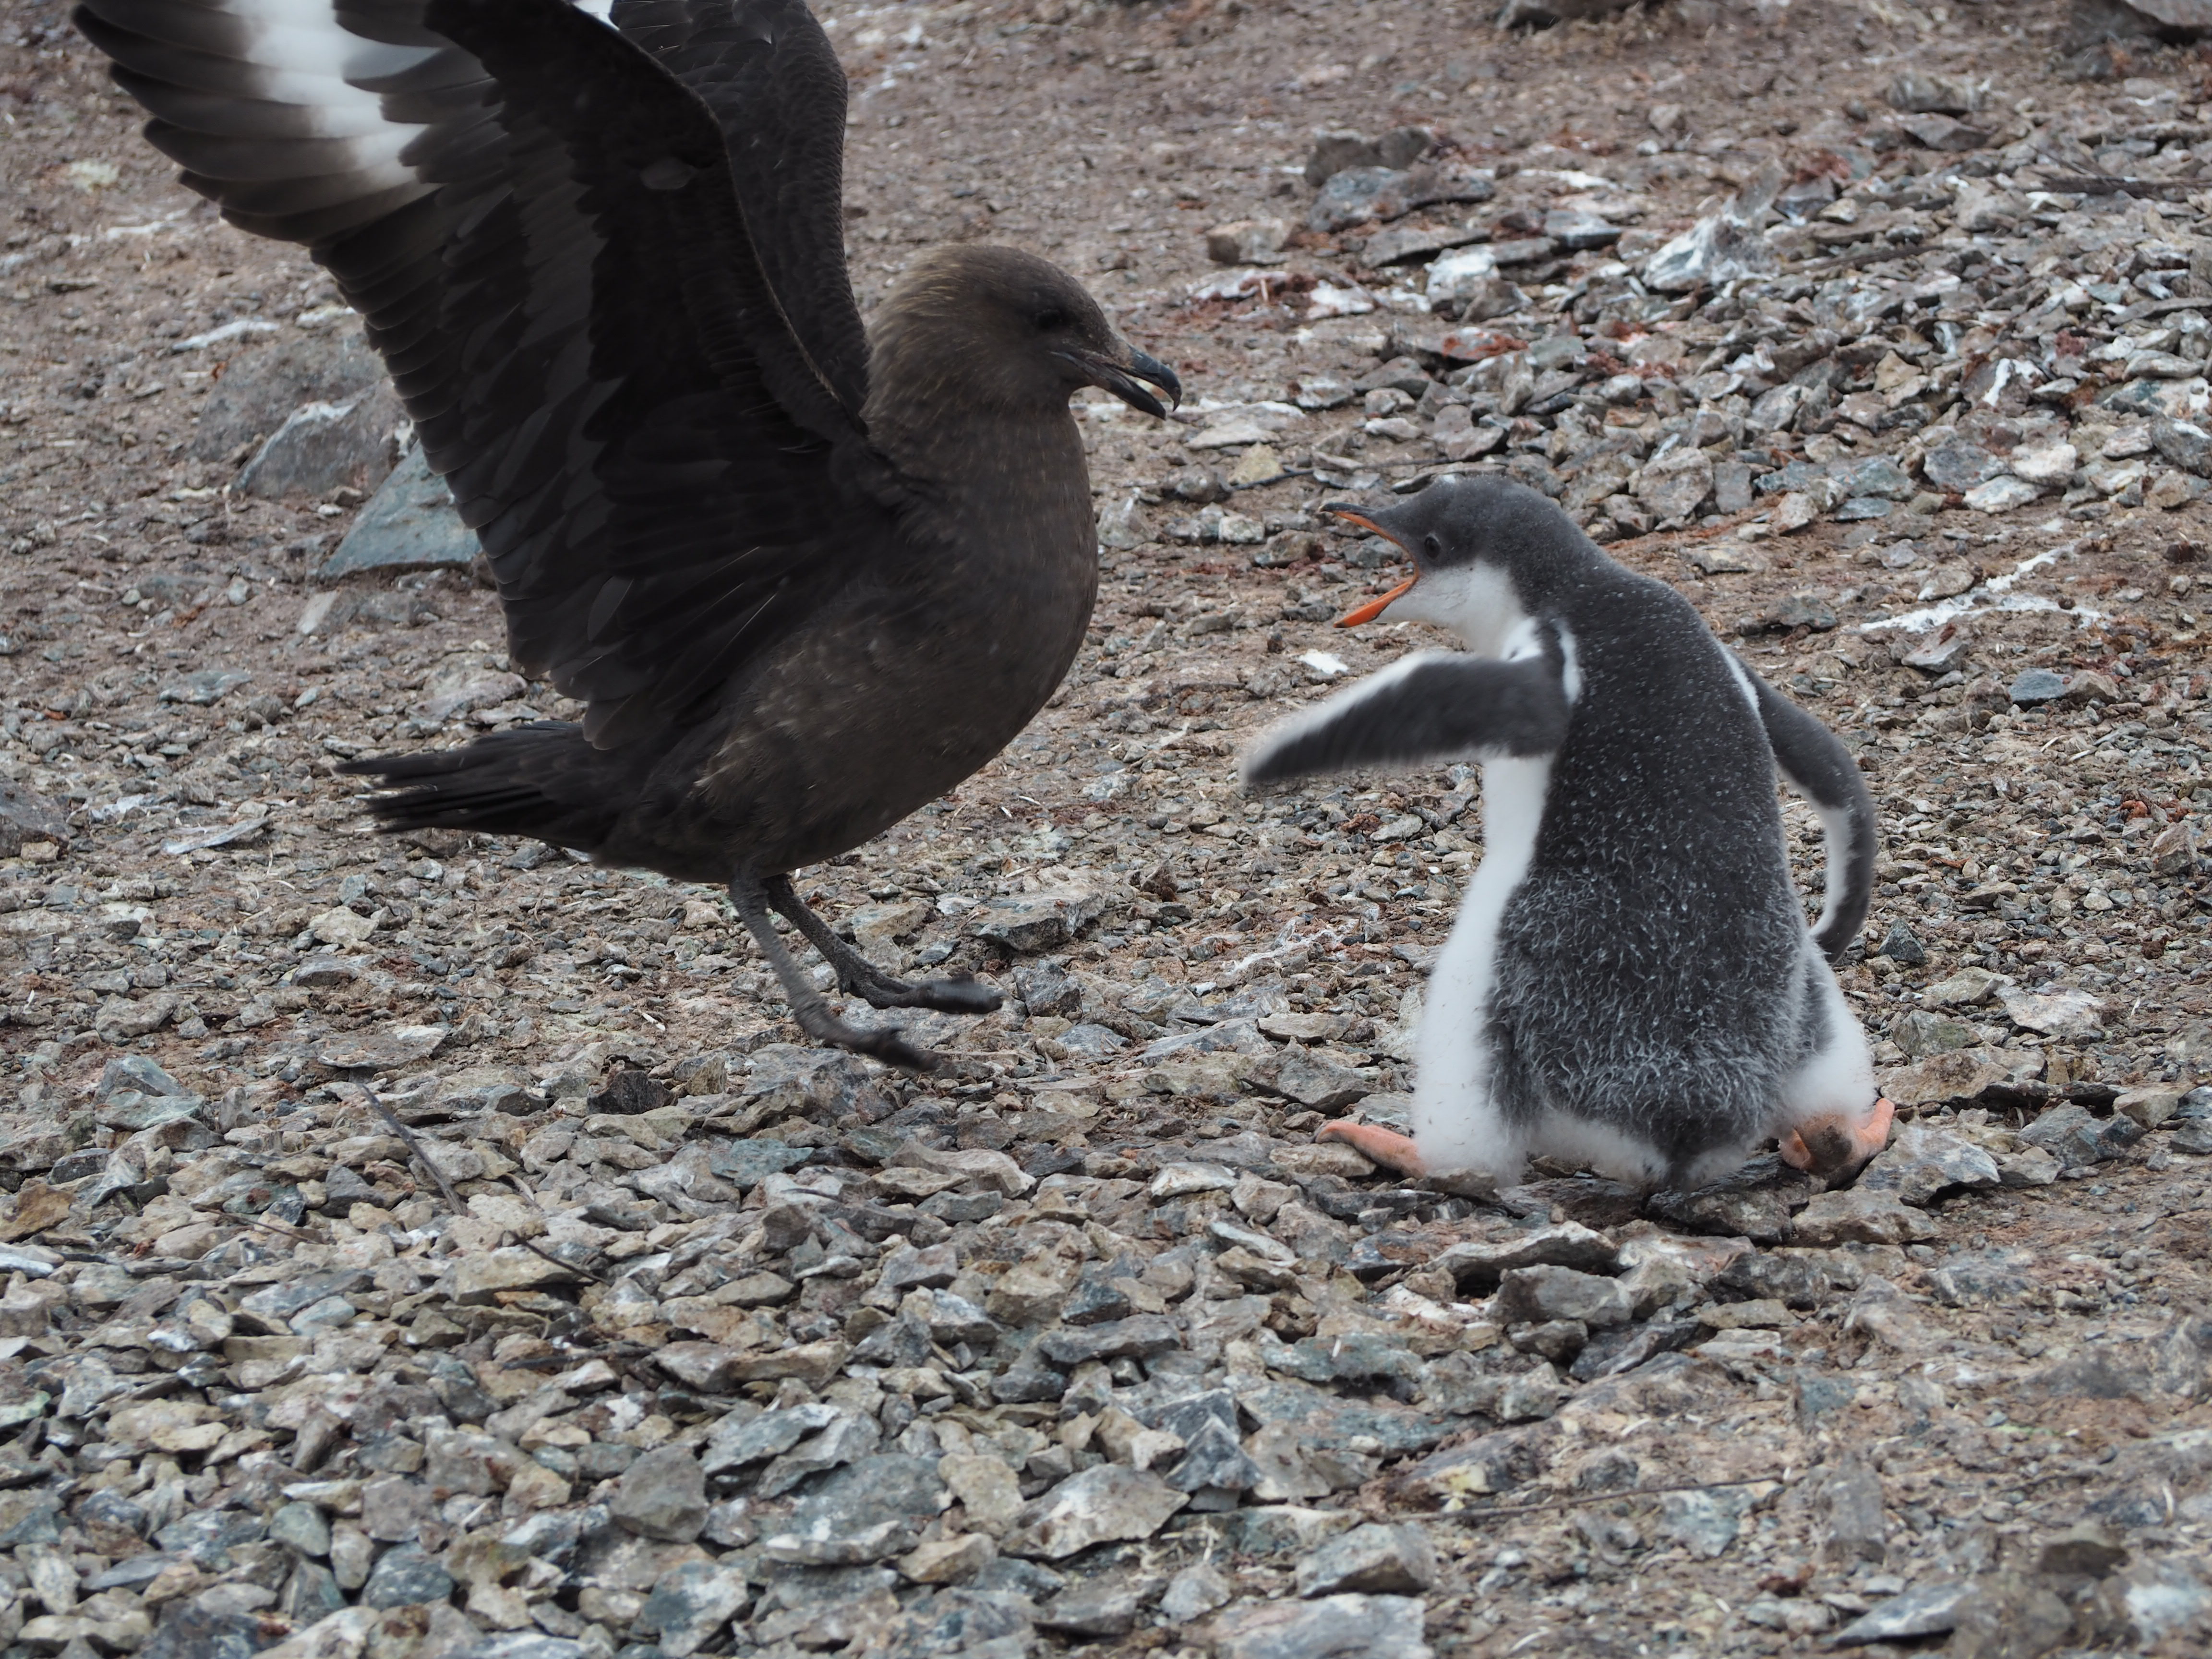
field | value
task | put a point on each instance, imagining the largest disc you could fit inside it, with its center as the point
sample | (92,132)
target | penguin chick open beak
(1120,378)
(1373,608)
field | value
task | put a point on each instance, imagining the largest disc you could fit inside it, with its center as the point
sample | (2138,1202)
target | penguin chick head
(1476,544)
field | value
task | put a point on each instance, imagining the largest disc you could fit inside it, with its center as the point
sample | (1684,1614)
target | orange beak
(1374,608)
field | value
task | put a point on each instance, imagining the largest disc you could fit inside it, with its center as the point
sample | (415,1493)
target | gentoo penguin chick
(1630,982)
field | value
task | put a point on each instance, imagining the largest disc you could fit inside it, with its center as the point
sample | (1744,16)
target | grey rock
(188,1631)
(866,1511)
(1214,1461)
(1195,1591)
(1925,1610)
(322,447)
(26,816)
(1924,1034)
(1916,92)
(410,523)
(2078,1139)
(850,1438)
(1959,466)
(405,1577)
(301,1527)
(1373,1559)
(1098,1505)
(311,1594)
(1983,1278)
(1722,247)
(662,1495)
(206,687)
(1036,921)
(1138,1337)
(1704,1523)
(1479,1266)
(690,1603)
(1576,231)
(1312,1080)
(2059,1011)
(2185,444)
(1754,1203)
(1101,1607)
(1333,152)
(1902,945)
(1859,1216)
(1538,1295)
(1853,1526)
(1922,1162)
(1333,1627)
(1355,195)
(258,388)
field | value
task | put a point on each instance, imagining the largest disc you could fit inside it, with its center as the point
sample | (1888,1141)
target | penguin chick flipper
(1394,1151)
(1821,769)
(1432,705)
(1834,1146)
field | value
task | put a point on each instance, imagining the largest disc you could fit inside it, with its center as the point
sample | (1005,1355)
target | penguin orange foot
(1394,1151)
(1834,1146)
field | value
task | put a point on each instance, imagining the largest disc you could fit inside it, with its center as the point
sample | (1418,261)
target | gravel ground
(439,1246)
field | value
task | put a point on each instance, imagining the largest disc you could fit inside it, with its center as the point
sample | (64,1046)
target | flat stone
(1334,1627)
(948,1560)
(410,523)
(1139,1337)
(1958,467)
(1537,1295)
(405,1577)
(690,1602)
(386,1050)
(2001,495)
(323,446)
(869,1510)
(1704,1523)
(260,386)
(1373,1559)
(1754,1203)
(1859,1216)
(2059,1012)
(1101,1608)
(1927,1610)
(1921,1162)
(475,1277)
(1957,1077)
(1310,1080)
(2078,1139)
(1041,920)
(301,1527)
(1098,1505)
(1479,1266)
(2037,686)
(662,1495)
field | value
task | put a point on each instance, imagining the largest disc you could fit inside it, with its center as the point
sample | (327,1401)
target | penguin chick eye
(1051,320)
(1431,546)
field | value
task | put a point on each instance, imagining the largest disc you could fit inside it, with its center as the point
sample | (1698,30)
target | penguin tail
(1820,768)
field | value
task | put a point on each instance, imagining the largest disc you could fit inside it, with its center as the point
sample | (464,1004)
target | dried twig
(454,1199)
(1626,1492)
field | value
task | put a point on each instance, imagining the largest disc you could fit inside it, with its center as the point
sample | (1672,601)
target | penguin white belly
(1456,1125)
(1838,1080)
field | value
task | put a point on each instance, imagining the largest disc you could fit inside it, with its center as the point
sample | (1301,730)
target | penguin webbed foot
(1387,1147)
(1836,1147)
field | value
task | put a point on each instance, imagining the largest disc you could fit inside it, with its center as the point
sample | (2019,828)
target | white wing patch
(310,60)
